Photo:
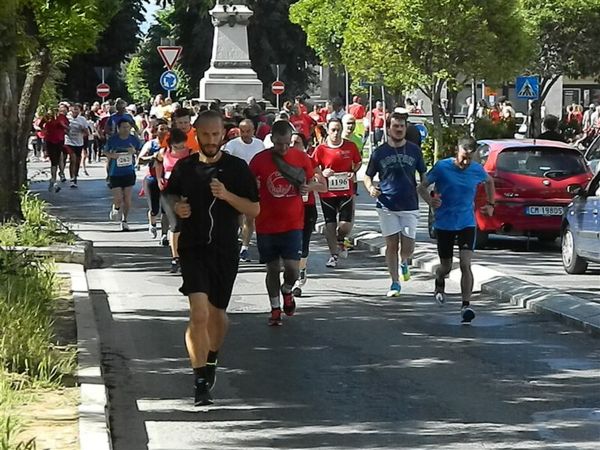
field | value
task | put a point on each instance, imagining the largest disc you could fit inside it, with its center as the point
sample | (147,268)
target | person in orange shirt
(182,120)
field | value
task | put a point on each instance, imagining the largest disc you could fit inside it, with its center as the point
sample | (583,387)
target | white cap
(401,110)
(131,107)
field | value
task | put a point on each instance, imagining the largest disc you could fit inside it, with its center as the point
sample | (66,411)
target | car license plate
(544,210)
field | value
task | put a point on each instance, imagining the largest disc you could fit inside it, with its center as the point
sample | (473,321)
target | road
(350,370)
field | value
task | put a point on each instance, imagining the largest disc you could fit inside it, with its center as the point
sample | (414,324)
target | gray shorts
(394,222)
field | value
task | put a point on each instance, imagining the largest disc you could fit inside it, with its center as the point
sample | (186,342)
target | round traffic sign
(103,90)
(169,80)
(278,87)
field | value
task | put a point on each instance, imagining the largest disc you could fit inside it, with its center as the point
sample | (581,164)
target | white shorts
(394,222)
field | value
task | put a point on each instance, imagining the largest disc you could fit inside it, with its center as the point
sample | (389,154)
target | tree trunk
(38,71)
(437,119)
(10,207)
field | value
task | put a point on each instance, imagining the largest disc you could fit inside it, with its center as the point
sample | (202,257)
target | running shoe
(333,261)
(438,294)
(86,173)
(343,250)
(57,188)
(405,271)
(211,374)
(175,265)
(394,290)
(114,213)
(124,225)
(275,318)
(164,240)
(297,290)
(245,256)
(152,231)
(73,184)
(202,395)
(302,279)
(50,187)
(289,304)
(63,178)
(467,315)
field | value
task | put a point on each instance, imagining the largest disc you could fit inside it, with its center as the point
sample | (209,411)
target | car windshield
(542,162)
(593,151)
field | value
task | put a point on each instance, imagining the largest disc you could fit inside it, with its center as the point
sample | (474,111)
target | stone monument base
(230,85)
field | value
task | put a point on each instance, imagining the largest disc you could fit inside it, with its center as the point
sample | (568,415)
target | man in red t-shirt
(302,122)
(356,109)
(55,126)
(339,160)
(284,175)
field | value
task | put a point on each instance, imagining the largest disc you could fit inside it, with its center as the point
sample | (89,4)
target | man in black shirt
(210,190)
(551,124)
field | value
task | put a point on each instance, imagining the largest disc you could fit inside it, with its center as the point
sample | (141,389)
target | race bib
(124,160)
(167,175)
(339,181)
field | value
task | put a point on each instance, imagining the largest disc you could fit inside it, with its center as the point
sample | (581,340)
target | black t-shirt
(413,135)
(213,222)
(552,136)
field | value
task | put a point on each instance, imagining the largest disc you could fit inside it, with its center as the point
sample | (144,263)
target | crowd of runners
(216,176)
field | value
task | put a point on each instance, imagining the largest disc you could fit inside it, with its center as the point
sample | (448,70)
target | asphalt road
(351,369)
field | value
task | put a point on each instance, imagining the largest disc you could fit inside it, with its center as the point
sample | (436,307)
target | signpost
(169,54)
(169,81)
(103,90)
(278,88)
(528,87)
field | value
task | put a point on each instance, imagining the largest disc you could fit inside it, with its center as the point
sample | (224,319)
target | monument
(230,77)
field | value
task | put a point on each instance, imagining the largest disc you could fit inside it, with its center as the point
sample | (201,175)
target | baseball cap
(401,110)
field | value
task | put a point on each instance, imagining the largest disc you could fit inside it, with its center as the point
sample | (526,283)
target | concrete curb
(573,310)
(82,252)
(94,433)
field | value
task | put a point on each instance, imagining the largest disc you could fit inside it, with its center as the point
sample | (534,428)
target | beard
(210,151)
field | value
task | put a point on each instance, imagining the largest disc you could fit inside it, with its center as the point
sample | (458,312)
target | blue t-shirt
(126,164)
(115,118)
(396,167)
(457,188)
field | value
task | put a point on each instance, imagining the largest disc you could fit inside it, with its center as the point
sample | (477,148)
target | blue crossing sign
(528,87)
(169,80)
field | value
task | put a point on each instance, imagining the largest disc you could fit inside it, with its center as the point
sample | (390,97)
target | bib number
(339,182)
(124,161)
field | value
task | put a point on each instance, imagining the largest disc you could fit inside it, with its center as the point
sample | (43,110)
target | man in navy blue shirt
(456,180)
(396,163)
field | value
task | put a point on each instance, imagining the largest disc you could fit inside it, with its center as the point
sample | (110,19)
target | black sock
(212,357)
(200,373)
(465,303)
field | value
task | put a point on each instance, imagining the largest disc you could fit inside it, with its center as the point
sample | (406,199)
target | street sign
(103,90)
(278,87)
(528,87)
(422,130)
(169,80)
(169,54)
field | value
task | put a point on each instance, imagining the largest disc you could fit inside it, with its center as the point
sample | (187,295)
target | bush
(450,136)
(38,228)
(486,129)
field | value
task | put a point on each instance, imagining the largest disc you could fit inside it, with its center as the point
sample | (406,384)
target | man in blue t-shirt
(396,163)
(456,180)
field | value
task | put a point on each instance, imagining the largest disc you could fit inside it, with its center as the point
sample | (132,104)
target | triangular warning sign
(527,90)
(169,54)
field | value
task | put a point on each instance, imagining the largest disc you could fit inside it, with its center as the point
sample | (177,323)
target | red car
(531,178)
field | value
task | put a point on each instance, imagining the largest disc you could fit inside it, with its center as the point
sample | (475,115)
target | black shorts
(332,206)
(209,271)
(310,220)
(121,181)
(446,239)
(286,245)
(54,151)
(74,150)
(152,193)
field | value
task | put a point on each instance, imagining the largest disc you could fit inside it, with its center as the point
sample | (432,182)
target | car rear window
(542,162)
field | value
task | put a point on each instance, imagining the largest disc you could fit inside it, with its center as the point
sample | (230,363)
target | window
(483,152)
(542,162)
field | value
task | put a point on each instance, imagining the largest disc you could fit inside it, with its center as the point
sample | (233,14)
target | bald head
(246,131)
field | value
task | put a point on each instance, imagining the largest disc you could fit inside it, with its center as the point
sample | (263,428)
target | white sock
(244,247)
(275,302)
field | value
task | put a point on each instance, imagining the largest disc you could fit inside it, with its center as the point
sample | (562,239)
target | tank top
(169,161)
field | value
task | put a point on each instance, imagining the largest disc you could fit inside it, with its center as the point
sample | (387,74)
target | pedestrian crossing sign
(528,87)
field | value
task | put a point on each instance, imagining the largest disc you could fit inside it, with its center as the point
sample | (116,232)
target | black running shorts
(121,181)
(446,239)
(209,271)
(54,151)
(332,206)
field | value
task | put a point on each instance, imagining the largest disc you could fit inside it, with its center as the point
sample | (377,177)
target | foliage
(135,79)
(38,228)
(8,430)
(450,136)
(486,129)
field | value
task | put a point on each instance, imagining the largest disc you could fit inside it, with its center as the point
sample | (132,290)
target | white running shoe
(124,225)
(152,231)
(114,213)
(332,262)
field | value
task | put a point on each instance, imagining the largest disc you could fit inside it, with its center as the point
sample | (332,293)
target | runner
(209,190)
(310,213)
(397,201)
(182,120)
(111,126)
(119,151)
(175,151)
(245,147)
(349,126)
(74,140)
(148,156)
(282,173)
(456,180)
(55,126)
(339,161)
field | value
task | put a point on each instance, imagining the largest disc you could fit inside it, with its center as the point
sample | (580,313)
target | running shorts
(332,206)
(394,222)
(121,181)
(210,271)
(446,239)
(74,150)
(54,150)
(286,245)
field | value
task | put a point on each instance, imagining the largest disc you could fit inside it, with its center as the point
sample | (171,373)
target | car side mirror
(575,190)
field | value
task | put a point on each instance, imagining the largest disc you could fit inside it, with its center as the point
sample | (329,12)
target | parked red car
(531,178)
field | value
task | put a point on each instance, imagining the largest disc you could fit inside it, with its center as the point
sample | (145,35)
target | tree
(135,79)
(35,36)
(425,44)
(565,33)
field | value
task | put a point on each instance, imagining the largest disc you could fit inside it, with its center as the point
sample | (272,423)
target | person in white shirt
(245,147)
(78,129)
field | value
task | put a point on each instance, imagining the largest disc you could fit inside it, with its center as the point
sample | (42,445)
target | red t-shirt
(311,195)
(303,124)
(323,112)
(302,108)
(357,110)
(55,129)
(281,205)
(340,160)
(378,118)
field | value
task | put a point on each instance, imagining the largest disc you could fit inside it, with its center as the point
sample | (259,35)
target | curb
(572,310)
(82,252)
(94,431)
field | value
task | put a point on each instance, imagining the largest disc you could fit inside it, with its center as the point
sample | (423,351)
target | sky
(151,8)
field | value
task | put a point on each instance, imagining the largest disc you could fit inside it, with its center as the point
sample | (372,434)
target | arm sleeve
(433,174)
(373,166)
(421,166)
(244,183)
(483,175)
(308,168)
(356,158)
